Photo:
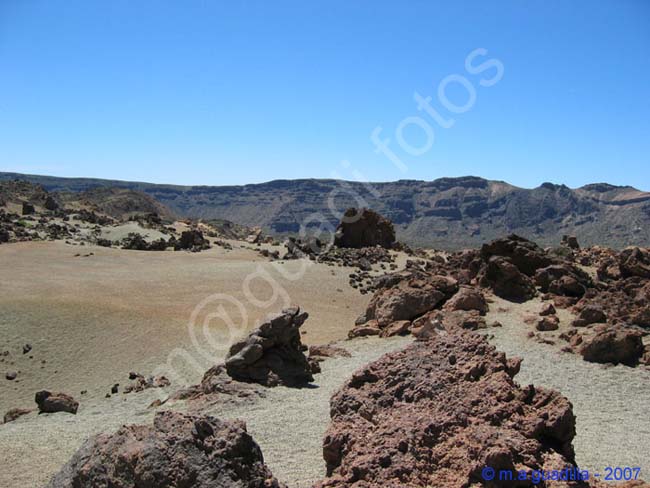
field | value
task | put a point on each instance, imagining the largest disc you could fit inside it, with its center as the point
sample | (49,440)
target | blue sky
(210,92)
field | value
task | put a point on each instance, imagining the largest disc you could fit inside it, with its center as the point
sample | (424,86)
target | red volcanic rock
(408,299)
(399,327)
(612,344)
(438,412)
(548,323)
(468,298)
(273,353)
(634,261)
(563,279)
(591,314)
(527,256)
(177,451)
(364,228)
(505,279)
(547,309)
(328,351)
(49,402)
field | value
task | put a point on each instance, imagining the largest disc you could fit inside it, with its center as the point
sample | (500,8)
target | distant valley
(447,213)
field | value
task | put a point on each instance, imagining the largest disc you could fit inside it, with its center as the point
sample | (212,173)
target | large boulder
(177,451)
(437,413)
(527,256)
(563,279)
(505,280)
(612,344)
(408,298)
(272,354)
(192,240)
(364,228)
(49,402)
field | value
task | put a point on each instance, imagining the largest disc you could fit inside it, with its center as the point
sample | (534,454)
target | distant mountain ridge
(447,213)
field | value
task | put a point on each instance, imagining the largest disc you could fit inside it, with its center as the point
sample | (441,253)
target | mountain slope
(447,213)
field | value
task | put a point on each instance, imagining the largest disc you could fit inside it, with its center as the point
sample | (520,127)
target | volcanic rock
(192,240)
(591,314)
(505,279)
(634,261)
(364,228)
(15,413)
(436,413)
(527,256)
(468,298)
(409,298)
(49,402)
(547,309)
(612,344)
(273,353)
(548,323)
(177,451)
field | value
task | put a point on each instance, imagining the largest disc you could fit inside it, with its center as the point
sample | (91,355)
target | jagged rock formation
(448,213)
(177,451)
(272,354)
(364,228)
(436,413)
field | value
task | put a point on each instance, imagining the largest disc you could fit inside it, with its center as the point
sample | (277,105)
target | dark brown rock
(612,344)
(527,256)
(591,314)
(364,228)
(506,281)
(547,309)
(49,402)
(273,353)
(548,323)
(177,451)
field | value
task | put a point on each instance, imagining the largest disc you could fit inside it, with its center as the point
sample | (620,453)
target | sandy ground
(91,320)
(611,403)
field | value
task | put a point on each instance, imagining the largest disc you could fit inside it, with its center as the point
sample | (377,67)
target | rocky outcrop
(436,413)
(505,280)
(527,256)
(192,240)
(272,354)
(49,402)
(177,451)
(563,279)
(634,261)
(364,228)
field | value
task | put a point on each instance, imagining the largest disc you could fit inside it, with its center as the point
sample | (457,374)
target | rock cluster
(177,451)
(364,228)
(273,353)
(191,240)
(436,413)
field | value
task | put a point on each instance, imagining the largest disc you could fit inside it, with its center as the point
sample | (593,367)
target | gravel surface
(611,403)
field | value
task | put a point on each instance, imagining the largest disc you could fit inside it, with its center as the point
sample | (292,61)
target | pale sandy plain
(95,318)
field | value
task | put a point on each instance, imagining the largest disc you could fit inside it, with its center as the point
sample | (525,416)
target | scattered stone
(27,348)
(547,309)
(548,323)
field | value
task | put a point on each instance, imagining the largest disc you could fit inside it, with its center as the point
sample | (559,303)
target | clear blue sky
(216,92)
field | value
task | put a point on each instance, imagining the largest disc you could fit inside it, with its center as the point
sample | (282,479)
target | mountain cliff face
(448,213)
